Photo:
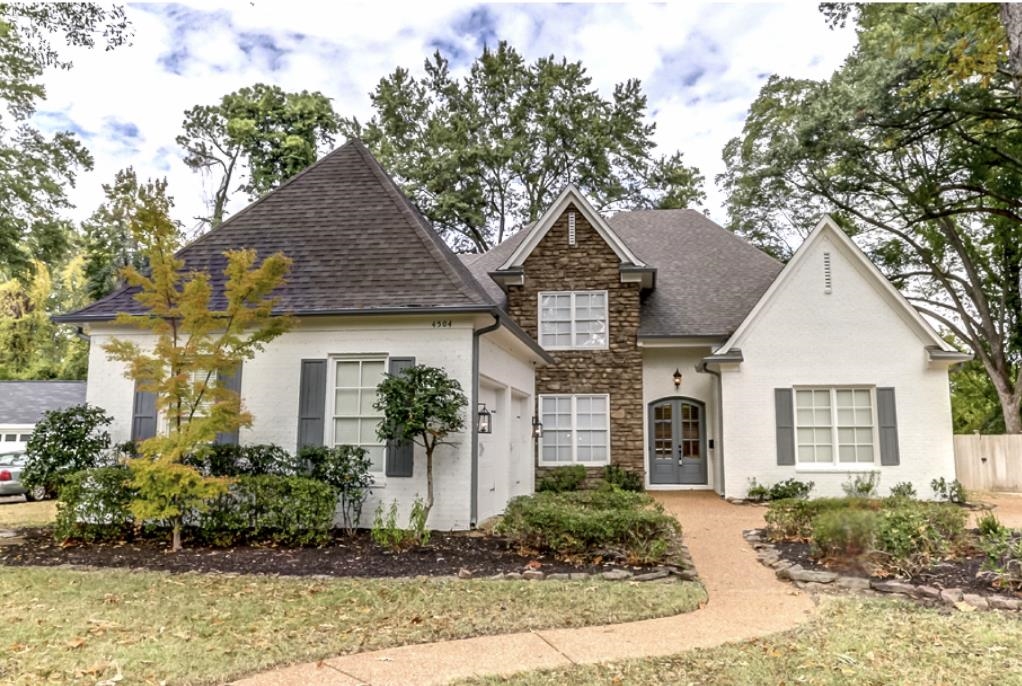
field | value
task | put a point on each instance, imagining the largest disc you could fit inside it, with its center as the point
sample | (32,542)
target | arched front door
(677,441)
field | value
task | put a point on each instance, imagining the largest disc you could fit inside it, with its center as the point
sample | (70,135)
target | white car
(11,465)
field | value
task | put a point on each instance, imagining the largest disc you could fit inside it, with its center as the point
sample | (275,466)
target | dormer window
(573,320)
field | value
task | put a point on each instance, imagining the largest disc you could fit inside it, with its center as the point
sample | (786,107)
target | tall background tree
(484,155)
(261,129)
(915,145)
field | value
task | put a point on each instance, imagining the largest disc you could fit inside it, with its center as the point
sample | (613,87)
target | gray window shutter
(232,382)
(887,420)
(785,417)
(143,415)
(400,454)
(311,403)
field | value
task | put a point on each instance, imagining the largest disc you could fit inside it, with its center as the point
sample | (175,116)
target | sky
(701,65)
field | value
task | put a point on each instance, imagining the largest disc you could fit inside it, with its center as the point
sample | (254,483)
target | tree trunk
(176,536)
(1011,17)
(429,482)
(1008,393)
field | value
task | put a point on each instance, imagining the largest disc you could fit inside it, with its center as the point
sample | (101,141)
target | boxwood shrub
(591,523)
(94,505)
(561,479)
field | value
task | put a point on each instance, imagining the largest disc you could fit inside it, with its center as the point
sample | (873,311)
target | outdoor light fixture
(484,420)
(537,428)
(677,378)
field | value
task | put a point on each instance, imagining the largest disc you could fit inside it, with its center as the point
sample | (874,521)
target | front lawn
(848,642)
(15,514)
(73,626)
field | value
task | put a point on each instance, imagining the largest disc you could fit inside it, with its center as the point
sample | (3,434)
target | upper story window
(573,320)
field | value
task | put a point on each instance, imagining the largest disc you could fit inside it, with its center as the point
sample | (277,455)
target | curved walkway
(746,601)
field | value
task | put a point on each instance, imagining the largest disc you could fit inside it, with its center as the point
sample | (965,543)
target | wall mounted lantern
(537,428)
(485,425)
(677,378)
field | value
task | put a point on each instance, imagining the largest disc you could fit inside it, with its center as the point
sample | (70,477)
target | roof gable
(827,227)
(358,245)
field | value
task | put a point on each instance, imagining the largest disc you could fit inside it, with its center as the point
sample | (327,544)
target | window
(10,438)
(24,437)
(573,319)
(354,419)
(576,429)
(835,426)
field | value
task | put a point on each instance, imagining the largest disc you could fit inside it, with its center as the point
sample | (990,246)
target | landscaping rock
(893,587)
(533,575)
(7,533)
(852,583)
(512,575)
(928,592)
(464,573)
(652,576)
(769,557)
(558,576)
(811,576)
(788,571)
(977,601)
(578,576)
(998,602)
(951,596)
(617,575)
(14,540)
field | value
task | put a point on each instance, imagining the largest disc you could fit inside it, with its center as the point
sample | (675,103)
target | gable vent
(827,281)
(571,228)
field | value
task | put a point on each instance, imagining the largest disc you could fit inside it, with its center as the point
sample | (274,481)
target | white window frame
(331,405)
(835,465)
(574,320)
(574,429)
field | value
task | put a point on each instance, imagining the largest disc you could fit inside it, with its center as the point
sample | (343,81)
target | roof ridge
(455,270)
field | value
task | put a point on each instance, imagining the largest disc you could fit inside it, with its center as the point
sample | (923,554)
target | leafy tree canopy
(485,155)
(276,134)
(915,145)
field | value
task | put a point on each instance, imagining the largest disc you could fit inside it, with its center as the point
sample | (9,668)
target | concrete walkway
(746,601)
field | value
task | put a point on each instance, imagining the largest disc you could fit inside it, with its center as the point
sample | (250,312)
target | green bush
(1003,549)
(346,468)
(287,510)
(861,485)
(590,523)
(387,534)
(64,442)
(561,479)
(94,505)
(990,526)
(844,533)
(951,491)
(904,490)
(624,479)
(793,518)
(243,460)
(782,490)
(911,537)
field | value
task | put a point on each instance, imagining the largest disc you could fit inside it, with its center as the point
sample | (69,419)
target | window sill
(572,464)
(568,349)
(836,469)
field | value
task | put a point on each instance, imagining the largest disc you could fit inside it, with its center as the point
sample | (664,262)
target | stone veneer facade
(589,265)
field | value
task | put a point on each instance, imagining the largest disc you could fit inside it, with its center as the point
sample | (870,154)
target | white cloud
(702,65)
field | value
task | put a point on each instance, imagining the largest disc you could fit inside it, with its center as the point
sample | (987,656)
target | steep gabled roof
(358,245)
(24,402)
(707,278)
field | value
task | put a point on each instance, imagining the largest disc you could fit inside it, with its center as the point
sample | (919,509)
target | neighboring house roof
(24,402)
(358,245)
(707,279)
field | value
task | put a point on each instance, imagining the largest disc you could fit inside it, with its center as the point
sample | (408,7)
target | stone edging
(819,580)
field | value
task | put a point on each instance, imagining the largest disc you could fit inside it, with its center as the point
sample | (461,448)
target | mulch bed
(447,554)
(963,572)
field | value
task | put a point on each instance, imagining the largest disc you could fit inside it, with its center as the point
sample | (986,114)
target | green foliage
(951,491)
(861,485)
(912,536)
(64,442)
(590,524)
(95,505)
(904,490)
(624,479)
(793,518)
(168,490)
(387,534)
(989,526)
(560,479)
(915,146)
(285,510)
(417,523)
(782,490)
(420,404)
(275,133)
(484,155)
(1003,550)
(844,533)
(346,469)
(225,459)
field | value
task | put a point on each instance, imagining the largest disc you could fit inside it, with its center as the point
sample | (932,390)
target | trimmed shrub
(64,442)
(624,479)
(911,537)
(94,505)
(562,479)
(793,518)
(243,460)
(591,523)
(844,533)
(346,468)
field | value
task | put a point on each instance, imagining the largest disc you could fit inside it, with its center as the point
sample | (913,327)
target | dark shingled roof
(24,402)
(357,242)
(707,278)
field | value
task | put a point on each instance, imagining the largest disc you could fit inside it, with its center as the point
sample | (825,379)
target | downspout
(703,368)
(474,497)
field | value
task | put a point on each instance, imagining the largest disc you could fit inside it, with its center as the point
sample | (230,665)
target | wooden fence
(989,463)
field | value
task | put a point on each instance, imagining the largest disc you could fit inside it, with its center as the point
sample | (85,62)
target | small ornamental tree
(420,404)
(194,346)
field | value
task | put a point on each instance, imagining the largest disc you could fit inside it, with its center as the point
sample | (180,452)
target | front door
(677,447)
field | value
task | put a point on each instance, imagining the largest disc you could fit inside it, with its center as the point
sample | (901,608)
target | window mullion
(835,448)
(574,427)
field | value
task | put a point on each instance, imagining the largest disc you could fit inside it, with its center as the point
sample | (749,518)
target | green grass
(81,627)
(18,514)
(849,642)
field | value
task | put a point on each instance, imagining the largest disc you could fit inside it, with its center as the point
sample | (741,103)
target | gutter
(703,368)
(474,479)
